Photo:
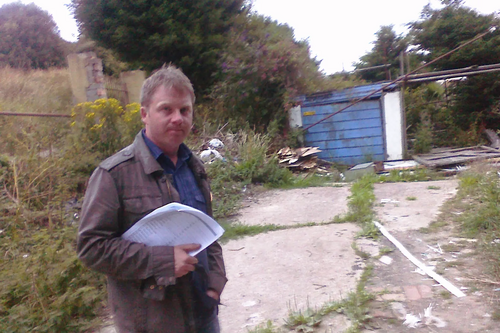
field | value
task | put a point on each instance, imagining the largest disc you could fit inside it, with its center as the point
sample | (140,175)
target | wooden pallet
(452,156)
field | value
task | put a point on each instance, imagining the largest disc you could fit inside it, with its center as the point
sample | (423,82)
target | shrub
(104,127)
(253,166)
(423,139)
(43,285)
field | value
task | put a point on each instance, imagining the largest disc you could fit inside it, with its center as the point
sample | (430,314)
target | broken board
(452,156)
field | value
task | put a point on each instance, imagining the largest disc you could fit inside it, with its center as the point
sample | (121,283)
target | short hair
(169,77)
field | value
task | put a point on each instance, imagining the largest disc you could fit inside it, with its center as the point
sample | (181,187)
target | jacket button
(152,287)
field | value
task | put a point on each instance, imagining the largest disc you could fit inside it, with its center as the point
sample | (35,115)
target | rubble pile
(301,159)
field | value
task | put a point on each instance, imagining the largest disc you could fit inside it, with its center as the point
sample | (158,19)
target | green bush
(43,285)
(423,139)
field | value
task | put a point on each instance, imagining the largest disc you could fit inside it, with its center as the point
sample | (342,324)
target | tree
(29,37)
(441,30)
(147,34)
(263,68)
(385,51)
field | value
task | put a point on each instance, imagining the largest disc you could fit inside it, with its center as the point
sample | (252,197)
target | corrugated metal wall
(353,136)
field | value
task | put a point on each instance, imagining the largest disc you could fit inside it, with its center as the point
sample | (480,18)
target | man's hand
(184,263)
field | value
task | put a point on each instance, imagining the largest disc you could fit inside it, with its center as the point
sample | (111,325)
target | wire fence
(116,89)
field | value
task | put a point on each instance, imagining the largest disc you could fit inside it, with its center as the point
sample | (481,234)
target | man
(157,288)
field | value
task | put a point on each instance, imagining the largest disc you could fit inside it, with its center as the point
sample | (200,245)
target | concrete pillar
(86,77)
(132,82)
(78,78)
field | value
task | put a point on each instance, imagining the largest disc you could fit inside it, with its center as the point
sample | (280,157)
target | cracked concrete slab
(288,269)
(286,207)
(411,206)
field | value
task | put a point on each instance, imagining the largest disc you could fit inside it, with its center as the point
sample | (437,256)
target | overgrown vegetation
(481,217)
(360,205)
(43,168)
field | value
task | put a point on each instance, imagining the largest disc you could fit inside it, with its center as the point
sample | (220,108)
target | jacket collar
(143,154)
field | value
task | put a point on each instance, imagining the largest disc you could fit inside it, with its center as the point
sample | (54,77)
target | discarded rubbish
(438,249)
(445,283)
(216,143)
(457,240)
(386,260)
(210,155)
(411,321)
(303,159)
(431,319)
(359,171)
(388,201)
(401,165)
(427,319)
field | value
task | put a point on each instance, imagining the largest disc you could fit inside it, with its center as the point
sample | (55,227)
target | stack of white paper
(175,224)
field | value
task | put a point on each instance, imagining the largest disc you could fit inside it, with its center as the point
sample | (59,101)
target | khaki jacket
(144,295)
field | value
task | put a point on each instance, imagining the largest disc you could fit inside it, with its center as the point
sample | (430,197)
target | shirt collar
(183,154)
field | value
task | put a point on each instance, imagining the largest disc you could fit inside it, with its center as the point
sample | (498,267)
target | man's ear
(143,114)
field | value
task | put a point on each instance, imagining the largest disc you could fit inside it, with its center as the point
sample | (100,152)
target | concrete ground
(271,273)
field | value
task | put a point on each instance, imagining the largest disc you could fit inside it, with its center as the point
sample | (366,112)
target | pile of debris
(301,159)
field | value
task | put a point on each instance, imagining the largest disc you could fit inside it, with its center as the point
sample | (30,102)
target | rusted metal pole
(19,114)
(401,78)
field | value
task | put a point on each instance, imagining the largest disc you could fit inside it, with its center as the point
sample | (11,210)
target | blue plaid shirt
(183,178)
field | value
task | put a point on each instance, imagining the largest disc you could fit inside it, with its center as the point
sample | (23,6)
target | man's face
(168,118)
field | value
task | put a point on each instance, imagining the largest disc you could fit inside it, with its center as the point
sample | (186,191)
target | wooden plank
(456,156)
(441,280)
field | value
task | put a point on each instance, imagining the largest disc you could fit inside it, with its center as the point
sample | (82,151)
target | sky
(339,32)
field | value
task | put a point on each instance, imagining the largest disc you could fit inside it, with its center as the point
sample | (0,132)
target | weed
(411,198)
(496,315)
(450,247)
(445,294)
(268,327)
(385,250)
(238,230)
(455,263)
(360,205)
(433,227)
(359,253)
(355,305)
(432,187)
(303,320)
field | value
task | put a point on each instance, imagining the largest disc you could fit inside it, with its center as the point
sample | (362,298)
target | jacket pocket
(137,207)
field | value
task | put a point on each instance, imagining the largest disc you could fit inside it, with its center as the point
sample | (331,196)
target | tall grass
(43,286)
(35,91)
